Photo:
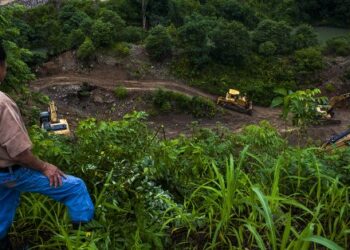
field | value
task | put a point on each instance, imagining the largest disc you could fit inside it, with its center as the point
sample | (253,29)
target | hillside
(165,166)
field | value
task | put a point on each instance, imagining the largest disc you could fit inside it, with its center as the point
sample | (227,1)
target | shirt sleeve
(13,134)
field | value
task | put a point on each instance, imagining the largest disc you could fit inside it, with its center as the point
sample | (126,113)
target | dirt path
(111,84)
(57,86)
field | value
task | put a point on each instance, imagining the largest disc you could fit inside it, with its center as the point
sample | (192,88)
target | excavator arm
(338,141)
(53,112)
(337,99)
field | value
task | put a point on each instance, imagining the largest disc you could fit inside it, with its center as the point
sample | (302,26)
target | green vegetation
(158,43)
(168,101)
(213,189)
(339,46)
(121,49)
(213,45)
(86,50)
(121,92)
(326,33)
(209,190)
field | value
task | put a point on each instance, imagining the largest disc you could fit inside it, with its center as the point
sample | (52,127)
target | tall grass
(213,190)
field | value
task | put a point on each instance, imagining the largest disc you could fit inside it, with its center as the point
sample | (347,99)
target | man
(21,171)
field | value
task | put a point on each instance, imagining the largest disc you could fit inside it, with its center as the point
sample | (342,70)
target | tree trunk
(144,18)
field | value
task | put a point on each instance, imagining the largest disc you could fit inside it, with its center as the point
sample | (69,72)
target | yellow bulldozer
(338,141)
(234,100)
(51,123)
(326,112)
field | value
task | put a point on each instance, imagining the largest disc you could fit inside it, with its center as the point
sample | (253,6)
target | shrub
(121,49)
(76,38)
(86,50)
(121,92)
(158,43)
(339,46)
(329,87)
(304,36)
(167,101)
(132,34)
(308,60)
(102,33)
(231,43)
(201,107)
(267,48)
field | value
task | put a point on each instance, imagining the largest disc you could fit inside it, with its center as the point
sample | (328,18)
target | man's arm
(53,173)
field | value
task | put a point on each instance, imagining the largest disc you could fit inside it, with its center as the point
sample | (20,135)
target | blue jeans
(72,193)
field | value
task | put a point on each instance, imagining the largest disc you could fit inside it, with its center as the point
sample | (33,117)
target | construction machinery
(234,100)
(326,112)
(338,141)
(51,123)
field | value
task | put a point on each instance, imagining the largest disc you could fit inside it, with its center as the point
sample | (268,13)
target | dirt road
(103,104)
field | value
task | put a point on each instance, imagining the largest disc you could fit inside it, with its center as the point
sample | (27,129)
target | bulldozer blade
(237,108)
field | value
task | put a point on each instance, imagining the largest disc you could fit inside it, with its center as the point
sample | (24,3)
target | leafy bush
(158,43)
(167,101)
(308,60)
(121,92)
(102,33)
(86,50)
(121,49)
(279,33)
(267,48)
(200,187)
(304,36)
(76,38)
(231,43)
(339,46)
(132,34)
(201,107)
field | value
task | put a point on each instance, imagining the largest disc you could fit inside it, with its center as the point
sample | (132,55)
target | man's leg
(72,193)
(9,200)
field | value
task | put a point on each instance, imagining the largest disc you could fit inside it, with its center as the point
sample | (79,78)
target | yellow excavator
(49,121)
(326,112)
(234,100)
(338,141)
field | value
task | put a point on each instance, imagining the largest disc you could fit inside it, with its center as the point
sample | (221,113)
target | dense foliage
(216,43)
(213,189)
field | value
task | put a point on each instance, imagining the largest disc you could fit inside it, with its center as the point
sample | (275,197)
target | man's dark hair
(2,54)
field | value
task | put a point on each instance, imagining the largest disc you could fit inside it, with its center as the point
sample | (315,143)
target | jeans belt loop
(10,169)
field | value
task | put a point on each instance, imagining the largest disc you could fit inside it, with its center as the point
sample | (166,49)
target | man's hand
(54,174)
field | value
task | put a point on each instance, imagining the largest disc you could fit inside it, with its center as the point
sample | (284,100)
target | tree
(76,38)
(231,43)
(267,49)
(233,10)
(304,36)
(279,33)
(158,43)
(18,71)
(116,22)
(86,50)
(308,61)
(302,105)
(102,34)
(194,39)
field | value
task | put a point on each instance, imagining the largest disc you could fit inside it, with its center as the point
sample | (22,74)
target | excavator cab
(50,122)
(234,100)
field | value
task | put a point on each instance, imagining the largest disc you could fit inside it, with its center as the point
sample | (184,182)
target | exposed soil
(63,79)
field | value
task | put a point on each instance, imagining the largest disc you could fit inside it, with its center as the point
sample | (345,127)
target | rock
(97,98)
